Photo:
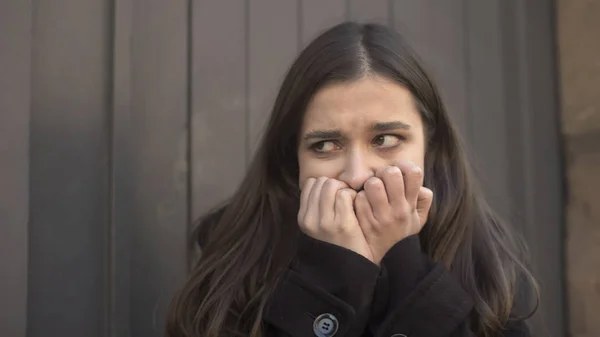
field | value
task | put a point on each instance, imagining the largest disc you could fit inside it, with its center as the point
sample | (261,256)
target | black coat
(331,291)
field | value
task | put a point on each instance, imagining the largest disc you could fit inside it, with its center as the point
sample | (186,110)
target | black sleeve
(418,297)
(327,287)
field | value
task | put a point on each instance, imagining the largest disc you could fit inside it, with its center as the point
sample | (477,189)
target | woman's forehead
(360,104)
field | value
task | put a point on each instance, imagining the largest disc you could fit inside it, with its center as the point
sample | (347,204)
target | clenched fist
(327,214)
(392,206)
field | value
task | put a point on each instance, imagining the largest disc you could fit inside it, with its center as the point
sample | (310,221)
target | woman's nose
(356,171)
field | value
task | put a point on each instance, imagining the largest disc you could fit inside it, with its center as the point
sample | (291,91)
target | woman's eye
(386,141)
(324,146)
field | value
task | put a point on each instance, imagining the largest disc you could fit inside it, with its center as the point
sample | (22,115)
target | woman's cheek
(415,155)
(315,168)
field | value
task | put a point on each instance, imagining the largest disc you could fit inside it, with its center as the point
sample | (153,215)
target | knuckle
(374,181)
(373,184)
(330,184)
(401,213)
(307,183)
(336,226)
(415,172)
(392,171)
(309,220)
(342,194)
(325,227)
(342,229)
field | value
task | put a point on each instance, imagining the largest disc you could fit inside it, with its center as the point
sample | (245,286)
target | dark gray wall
(15,107)
(120,121)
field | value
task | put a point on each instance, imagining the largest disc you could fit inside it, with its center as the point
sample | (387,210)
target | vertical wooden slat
(516,106)
(159,140)
(15,95)
(536,175)
(546,193)
(486,116)
(318,16)
(69,185)
(515,139)
(121,174)
(273,45)
(369,11)
(219,101)
(436,31)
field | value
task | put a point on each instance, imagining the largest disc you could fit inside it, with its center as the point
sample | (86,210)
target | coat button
(326,325)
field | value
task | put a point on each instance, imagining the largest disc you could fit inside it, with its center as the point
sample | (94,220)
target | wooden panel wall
(159,176)
(219,101)
(15,107)
(69,192)
(122,121)
(436,29)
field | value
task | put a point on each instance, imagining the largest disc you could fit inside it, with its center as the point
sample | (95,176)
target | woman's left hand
(392,206)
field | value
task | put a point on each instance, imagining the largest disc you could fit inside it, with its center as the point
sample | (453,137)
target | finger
(394,185)
(377,197)
(305,194)
(312,210)
(364,213)
(327,200)
(424,202)
(413,180)
(344,206)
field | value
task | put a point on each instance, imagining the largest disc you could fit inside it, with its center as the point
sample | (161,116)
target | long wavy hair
(248,242)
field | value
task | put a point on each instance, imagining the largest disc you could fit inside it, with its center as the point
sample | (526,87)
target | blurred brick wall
(579,61)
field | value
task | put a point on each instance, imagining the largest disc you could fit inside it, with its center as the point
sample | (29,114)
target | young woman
(358,215)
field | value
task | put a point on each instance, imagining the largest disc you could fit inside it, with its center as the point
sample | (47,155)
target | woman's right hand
(327,214)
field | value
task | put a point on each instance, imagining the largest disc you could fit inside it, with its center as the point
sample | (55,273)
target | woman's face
(352,129)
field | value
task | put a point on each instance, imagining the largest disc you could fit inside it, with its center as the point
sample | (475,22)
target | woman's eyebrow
(388,126)
(323,134)
(332,134)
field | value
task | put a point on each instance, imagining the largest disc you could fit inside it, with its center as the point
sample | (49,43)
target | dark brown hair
(248,242)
